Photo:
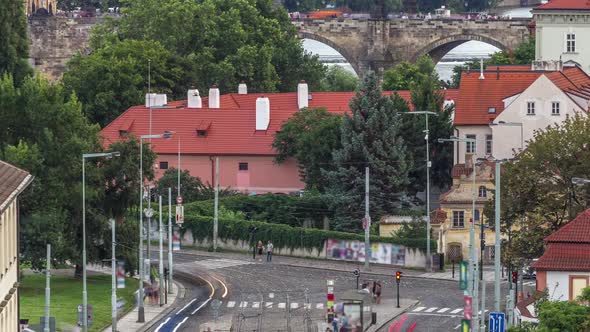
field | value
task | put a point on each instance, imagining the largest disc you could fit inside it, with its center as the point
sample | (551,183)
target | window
(476,215)
(489,144)
(470,146)
(530,108)
(201,133)
(123,133)
(458,219)
(163,165)
(243,166)
(555,108)
(483,192)
(492,110)
(570,43)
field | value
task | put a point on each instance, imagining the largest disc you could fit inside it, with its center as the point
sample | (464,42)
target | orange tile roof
(565,4)
(231,128)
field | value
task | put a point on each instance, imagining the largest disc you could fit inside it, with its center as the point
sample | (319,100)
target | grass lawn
(66,294)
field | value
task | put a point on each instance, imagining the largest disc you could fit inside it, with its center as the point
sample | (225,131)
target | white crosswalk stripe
(319,306)
(244,305)
(456,311)
(231,304)
(437,310)
(268,305)
(282,305)
(307,305)
(212,264)
(418,309)
(443,310)
(294,305)
(431,309)
(255,304)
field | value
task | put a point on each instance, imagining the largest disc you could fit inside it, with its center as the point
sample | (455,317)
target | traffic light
(514,276)
(398,276)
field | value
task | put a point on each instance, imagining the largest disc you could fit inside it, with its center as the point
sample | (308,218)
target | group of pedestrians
(269,248)
(339,324)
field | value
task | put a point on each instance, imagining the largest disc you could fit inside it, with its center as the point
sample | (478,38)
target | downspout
(212,170)
(456,145)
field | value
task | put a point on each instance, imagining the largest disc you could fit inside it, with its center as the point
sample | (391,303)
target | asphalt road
(247,288)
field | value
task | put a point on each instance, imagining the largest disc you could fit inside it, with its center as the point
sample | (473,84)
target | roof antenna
(481,77)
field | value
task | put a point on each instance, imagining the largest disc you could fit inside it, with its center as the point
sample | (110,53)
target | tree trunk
(78,271)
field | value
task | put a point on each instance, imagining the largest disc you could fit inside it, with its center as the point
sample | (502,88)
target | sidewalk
(319,263)
(387,312)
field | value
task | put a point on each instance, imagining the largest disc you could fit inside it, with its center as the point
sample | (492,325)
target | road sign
(179,214)
(178,200)
(149,212)
(467,307)
(120,274)
(81,315)
(356,272)
(465,325)
(364,223)
(175,239)
(497,322)
(463,275)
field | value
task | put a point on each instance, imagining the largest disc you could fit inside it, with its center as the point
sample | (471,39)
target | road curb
(165,312)
(378,327)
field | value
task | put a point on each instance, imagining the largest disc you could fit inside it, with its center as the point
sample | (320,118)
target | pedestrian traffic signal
(514,276)
(398,276)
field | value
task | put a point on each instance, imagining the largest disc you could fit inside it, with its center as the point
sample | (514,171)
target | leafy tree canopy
(191,188)
(339,79)
(14,44)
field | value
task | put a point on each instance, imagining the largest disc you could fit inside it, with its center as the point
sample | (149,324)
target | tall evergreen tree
(370,137)
(14,45)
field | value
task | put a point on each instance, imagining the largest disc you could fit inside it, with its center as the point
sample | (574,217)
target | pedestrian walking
(269,248)
(378,293)
(344,323)
(259,246)
(335,323)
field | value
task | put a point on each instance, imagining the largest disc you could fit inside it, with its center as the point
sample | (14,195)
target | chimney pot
(193,99)
(262,113)
(302,95)
(242,88)
(214,97)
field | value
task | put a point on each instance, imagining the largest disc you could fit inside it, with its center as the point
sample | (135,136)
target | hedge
(282,236)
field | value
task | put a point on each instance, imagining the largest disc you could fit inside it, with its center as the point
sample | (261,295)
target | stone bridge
(370,44)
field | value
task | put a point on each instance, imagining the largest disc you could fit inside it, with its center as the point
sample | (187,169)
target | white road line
(294,305)
(231,304)
(244,304)
(271,295)
(431,309)
(186,306)
(456,311)
(307,305)
(202,305)
(282,305)
(457,327)
(255,304)
(443,310)
(319,306)
(162,324)
(418,309)
(269,304)
(179,324)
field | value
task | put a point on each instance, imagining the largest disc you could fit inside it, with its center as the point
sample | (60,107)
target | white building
(12,182)
(563,32)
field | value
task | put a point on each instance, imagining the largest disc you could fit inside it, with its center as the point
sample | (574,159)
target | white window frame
(460,215)
(482,190)
(471,147)
(489,144)
(570,42)
(530,105)
(555,106)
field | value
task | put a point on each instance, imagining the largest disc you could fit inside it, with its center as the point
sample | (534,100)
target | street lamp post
(84,289)
(472,252)
(140,308)
(428,165)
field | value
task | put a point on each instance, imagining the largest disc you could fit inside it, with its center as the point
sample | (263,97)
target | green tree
(562,316)
(339,79)
(14,44)
(191,188)
(402,76)
(114,77)
(310,136)
(370,137)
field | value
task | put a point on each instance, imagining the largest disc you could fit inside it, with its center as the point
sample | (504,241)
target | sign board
(179,200)
(497,322)
(364,223)
(465,325)
(467,307)
(463,275)
(175,239)
(120,274)
(81,315)
(179,214)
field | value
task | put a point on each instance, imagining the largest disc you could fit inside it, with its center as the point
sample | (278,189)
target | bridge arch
(349,58)
(439,48)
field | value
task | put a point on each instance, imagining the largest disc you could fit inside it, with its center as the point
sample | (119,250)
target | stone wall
(54,40)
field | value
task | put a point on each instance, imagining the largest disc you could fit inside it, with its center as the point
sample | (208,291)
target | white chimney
(481,76)
(242,88)
(214,97)
(155,99)
(262,113)
(193,98)
(302,95)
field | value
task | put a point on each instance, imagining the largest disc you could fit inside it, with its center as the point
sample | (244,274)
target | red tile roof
(231,128)
(438,216)
(565,4)
(568,248)
(459,170)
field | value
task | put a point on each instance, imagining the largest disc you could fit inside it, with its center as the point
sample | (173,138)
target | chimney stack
(214,96)
(262,113)
(302,94)
(193,98)
(155,99)
(242,88)
(481,76)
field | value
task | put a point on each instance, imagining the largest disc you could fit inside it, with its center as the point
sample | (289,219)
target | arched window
(483,192)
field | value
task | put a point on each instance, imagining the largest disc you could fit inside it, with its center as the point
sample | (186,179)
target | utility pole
(473,262)
(170,256)
(47,288)
(483,306)
(114,279)
(161,263)
(367,221)
(140,308)
(149,233)
(178,187)
(497,246)
(216,207)
(428,254)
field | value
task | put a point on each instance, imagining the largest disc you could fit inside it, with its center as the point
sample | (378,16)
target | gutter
(21,187)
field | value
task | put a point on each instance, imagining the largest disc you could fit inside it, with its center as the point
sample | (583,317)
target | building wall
(558,284)
(386,229)
(263,174)
(508,139)
(551,30)
(480,132)
(9,269)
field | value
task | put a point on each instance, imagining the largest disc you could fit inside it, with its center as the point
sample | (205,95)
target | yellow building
(32,6)
(12,182)
(451,222)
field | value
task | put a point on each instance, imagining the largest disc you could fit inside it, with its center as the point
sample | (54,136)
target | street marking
(294,305)
(282,305)
(231,304)
(162,324)
(255,304)
(307,305)
(178,326)
(367,308)
(456,311)
(212,264)
(419,309)
(431,309)
(202,305)
(432,314)
(244,304)
(443,310)
(319,306)
(186,306)
(271,295)
(269,304)
(457,327)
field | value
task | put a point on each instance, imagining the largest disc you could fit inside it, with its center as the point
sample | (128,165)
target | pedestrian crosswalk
(439,310)
(271,305)
(217,263)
